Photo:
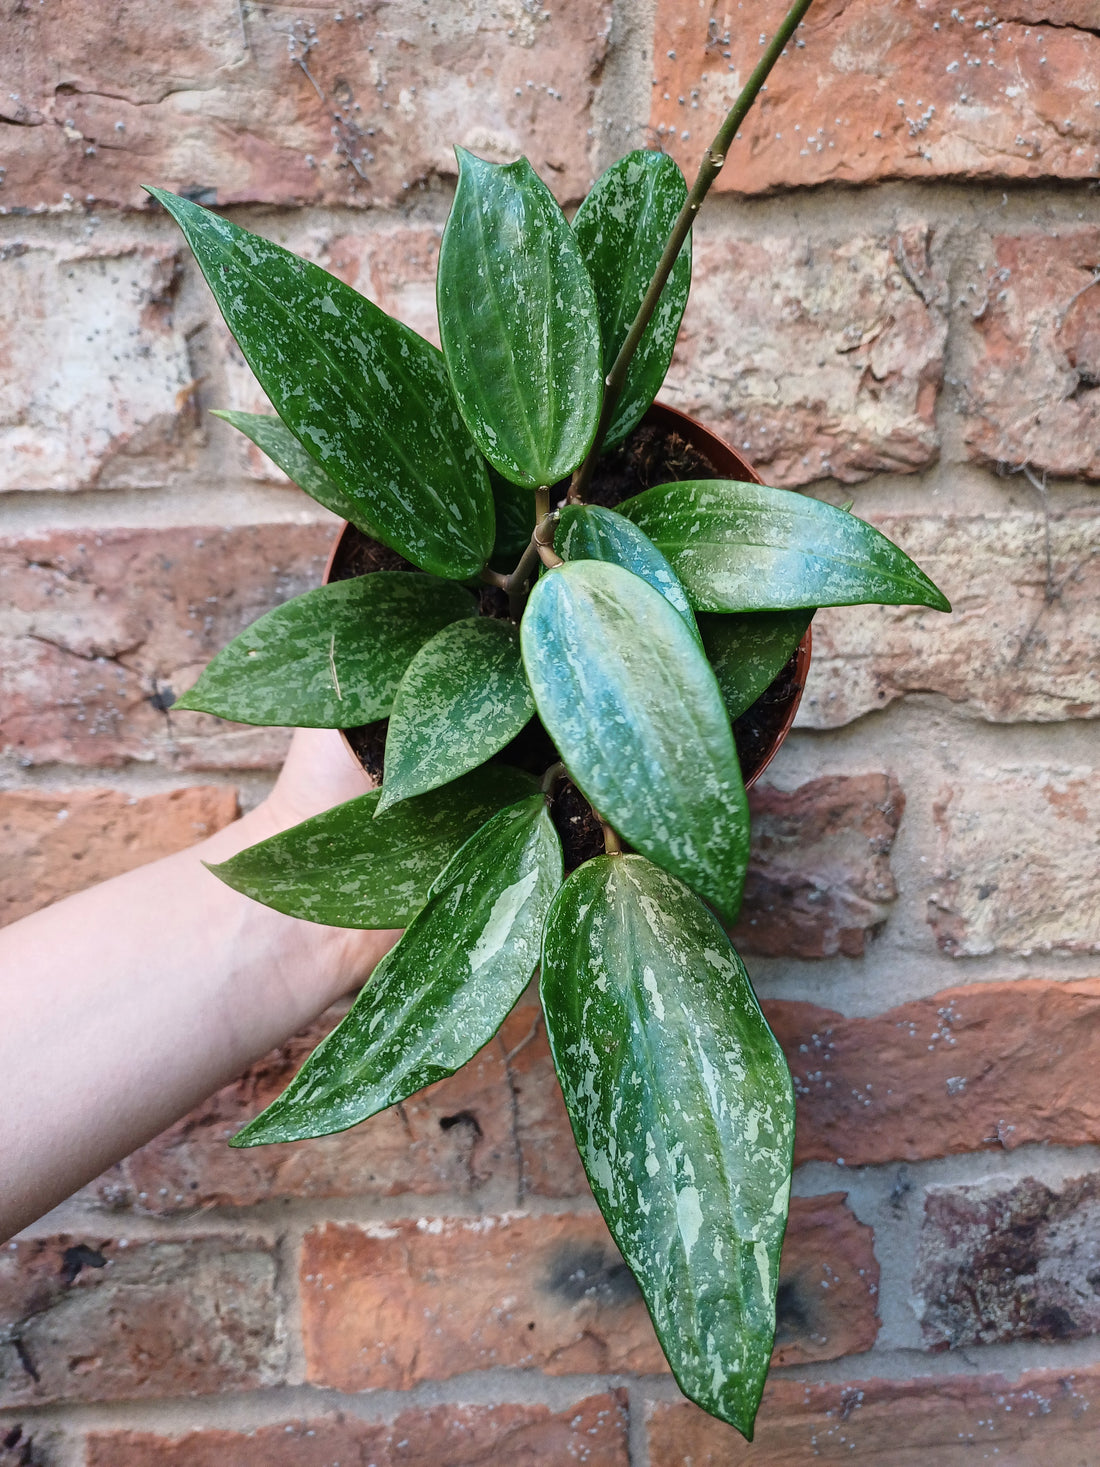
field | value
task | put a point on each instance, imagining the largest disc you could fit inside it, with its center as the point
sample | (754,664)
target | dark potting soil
(649,456)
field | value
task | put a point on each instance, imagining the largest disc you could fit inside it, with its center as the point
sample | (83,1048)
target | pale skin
(127,1004)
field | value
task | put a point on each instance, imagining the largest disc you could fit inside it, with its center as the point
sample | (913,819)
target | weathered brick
(106,403)
(819,881)
(820,358)
(912,89)
(57,843)
(390,1304)
(1017,865)
(100,629)
(1033,354)
(1003,1260)
(1019,644)
(93,1319)
(28,1444)
(1046,1416)
(238,103)
(592,1432)
(990,1065)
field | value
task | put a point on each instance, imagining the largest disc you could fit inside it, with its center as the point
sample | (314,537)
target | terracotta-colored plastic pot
(729,464)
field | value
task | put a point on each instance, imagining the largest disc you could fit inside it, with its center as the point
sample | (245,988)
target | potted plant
(626,639)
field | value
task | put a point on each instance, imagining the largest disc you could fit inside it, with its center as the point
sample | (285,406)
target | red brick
(910,89)
(93,1319)
(1017,865)
(1001,1261)
(98,627)
(820,880)
(819,359)
(390,1304)
(990,1065)
(1046,1416)
(548,1153)
(237,104)
(593,1432)
(57,843)
(1033,353)
(106,403)
(1019,644)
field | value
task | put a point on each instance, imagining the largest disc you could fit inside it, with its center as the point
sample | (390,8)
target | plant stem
(612,845)
(709,169)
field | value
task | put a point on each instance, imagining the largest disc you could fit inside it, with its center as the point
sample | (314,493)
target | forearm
(126,1005)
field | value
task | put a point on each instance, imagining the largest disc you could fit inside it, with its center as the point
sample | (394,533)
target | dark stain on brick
(77,1257)
(591,1272)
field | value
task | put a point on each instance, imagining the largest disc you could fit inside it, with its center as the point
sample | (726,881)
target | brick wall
(893,303)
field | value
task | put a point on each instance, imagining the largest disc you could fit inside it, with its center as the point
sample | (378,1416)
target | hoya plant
(629,638)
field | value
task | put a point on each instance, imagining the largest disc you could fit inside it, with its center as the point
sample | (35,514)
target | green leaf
(589,532)
(515,511)
(271,435)
(519,323)
(442,992)
(346,869)
(368,398)
(743,547)
(749,651)
(625,692)
(683,1110)
(622,229)
(463,697)
(331,658)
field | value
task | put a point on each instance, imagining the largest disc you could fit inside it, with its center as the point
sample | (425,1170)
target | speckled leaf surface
(462,698)
(744,547)
(625,692)
(271,436)
(622,228)
(345,869)
(367,397)
(442,992)
(519,323)
(683,1110)
(590,532)
(515,511)
(332,657)
(748,650)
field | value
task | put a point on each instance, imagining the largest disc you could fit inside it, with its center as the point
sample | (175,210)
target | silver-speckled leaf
(463,697)
(345,869)
(271,436)
(590,532)
(442,992)
(683,1110)
(749,650)
(519,323)
(622,228)
(625,692)
(367,397)
(331,658)
(744,547)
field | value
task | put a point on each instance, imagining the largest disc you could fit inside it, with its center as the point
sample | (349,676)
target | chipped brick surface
(1018,868)
(90,1318)
(815,357)
(234,103)
(106,402)
(100,630)
(915,89)
(1004,1260)
(57,843)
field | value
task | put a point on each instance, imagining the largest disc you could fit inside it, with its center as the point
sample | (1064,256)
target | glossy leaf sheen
(367,397)
(744,547)
(271,436)
(331,658)
(622,228)
(590,532)
(463,697)
(442,992)
(346,869)
(683,1111)
(748,651)
(519,323)
(627,695)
